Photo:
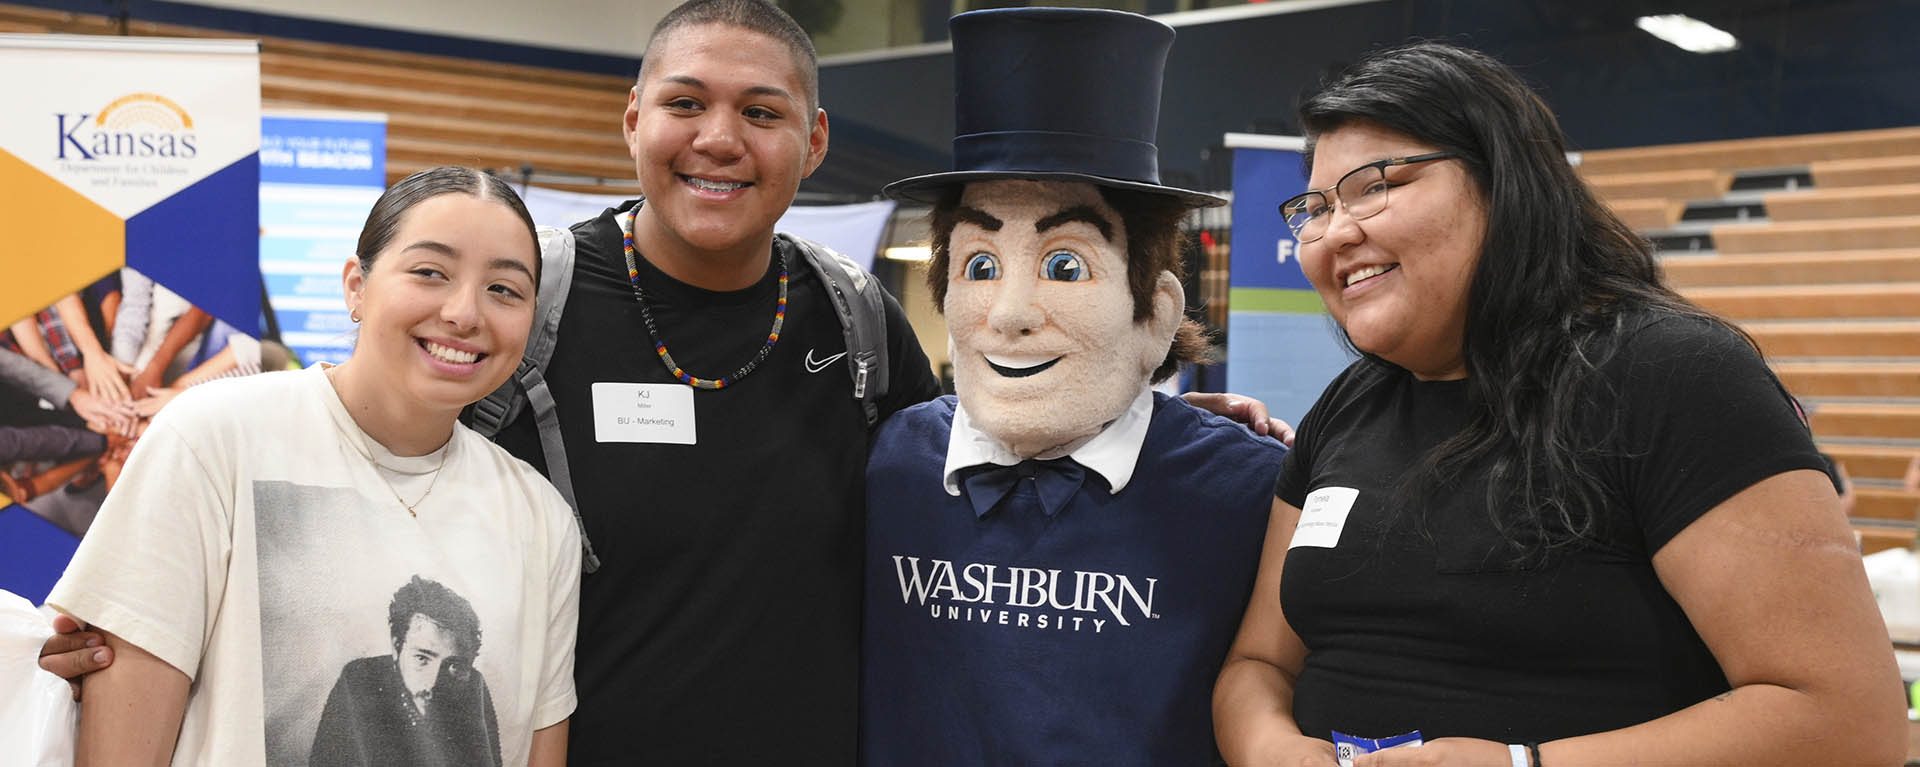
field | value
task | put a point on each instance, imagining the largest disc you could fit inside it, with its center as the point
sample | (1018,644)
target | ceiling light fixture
(1688,33)
(909,253)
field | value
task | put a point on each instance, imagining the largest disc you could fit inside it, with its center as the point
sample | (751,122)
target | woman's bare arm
(1772,580)
(1253,699)
(130,712)
(549,746)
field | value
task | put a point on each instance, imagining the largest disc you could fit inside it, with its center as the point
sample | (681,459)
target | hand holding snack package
(1346,747)
(38,713)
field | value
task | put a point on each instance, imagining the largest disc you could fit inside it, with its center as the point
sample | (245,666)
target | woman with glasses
(1555,515)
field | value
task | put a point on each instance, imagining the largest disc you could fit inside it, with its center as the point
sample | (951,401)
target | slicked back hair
(389,212)
(1546,300)
(1154,239)
(758,16)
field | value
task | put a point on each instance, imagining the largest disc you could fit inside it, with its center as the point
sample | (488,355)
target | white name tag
(1324,516)
(631,412)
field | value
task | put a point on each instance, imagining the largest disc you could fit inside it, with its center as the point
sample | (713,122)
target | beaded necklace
(660,347)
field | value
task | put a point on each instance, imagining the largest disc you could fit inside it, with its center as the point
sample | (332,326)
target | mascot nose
(1014,311)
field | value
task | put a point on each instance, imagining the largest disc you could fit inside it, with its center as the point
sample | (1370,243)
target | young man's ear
(630,121)
(1169,306)
(816,142)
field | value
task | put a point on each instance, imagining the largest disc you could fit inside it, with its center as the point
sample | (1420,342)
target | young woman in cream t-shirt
(321,566)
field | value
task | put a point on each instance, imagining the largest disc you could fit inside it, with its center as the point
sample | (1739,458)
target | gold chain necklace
(430,483)
(328,371)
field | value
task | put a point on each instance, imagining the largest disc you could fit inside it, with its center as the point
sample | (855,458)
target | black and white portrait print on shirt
(362,664)
(423,704)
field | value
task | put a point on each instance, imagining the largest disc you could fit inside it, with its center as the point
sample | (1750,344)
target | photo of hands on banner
(82,378)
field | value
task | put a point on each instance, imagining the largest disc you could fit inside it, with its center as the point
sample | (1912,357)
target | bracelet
(1534,748)
(1518,754)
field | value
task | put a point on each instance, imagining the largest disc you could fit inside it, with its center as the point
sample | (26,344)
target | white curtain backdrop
(854,230)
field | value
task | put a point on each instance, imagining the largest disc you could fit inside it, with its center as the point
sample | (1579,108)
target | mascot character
(1056,560)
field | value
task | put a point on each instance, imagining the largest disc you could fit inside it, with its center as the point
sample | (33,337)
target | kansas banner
(140,152)
(130,269)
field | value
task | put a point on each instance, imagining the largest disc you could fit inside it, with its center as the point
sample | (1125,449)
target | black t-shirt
(1437,628)
(723,624)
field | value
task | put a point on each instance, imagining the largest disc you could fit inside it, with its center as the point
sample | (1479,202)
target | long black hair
(1556,274)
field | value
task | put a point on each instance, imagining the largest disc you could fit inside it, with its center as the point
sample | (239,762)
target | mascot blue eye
(1064,266)
(982,266)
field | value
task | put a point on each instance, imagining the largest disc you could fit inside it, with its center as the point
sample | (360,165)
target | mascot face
(1045,347)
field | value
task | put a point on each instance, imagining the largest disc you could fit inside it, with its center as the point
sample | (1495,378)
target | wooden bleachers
(1846,202)
(1866,420)
(1651,213)
(1755,153)
(1828,234)
(1874,460)
(1867,172)
(333,94)
(1799,268)
(1811,301)
(470,85)
(440,109)
(1838,338)
(29,19)
(1674,185)
(600,143)
(1824,275)
(1870,380)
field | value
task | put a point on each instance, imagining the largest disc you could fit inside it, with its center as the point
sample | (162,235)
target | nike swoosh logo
(815,366)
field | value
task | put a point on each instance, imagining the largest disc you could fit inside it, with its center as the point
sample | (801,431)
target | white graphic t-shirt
(257,542)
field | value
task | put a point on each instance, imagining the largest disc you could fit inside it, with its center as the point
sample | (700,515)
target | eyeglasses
(1363,192)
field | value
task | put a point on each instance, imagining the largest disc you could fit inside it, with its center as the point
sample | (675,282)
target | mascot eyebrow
(1086,214)
(977,217)
(1082,213)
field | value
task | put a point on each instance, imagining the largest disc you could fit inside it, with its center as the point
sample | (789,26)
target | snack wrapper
(1346,747)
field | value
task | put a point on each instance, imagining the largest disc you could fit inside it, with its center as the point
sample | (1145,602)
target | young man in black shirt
(722,626)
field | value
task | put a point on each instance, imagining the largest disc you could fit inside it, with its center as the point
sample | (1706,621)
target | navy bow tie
(1056,481)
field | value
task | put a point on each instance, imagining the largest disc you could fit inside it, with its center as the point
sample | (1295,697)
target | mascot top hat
(1064,94)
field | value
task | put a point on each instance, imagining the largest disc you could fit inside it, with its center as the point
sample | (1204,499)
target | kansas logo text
(135,126)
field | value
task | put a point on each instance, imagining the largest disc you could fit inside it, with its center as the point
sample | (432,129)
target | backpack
(856,299)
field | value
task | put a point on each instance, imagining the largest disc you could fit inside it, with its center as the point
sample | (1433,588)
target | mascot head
(1056,250)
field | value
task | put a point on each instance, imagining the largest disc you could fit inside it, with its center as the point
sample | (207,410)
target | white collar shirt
(1113,453)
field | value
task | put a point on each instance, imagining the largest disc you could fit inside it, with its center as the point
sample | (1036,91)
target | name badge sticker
(634,412)
(1324,516)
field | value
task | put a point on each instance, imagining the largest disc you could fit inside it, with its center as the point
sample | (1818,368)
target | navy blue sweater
(1089,637)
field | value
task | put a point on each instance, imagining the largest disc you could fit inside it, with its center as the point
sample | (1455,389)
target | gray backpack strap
(528,386)
(856,297)
(490,415)
(545,417)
